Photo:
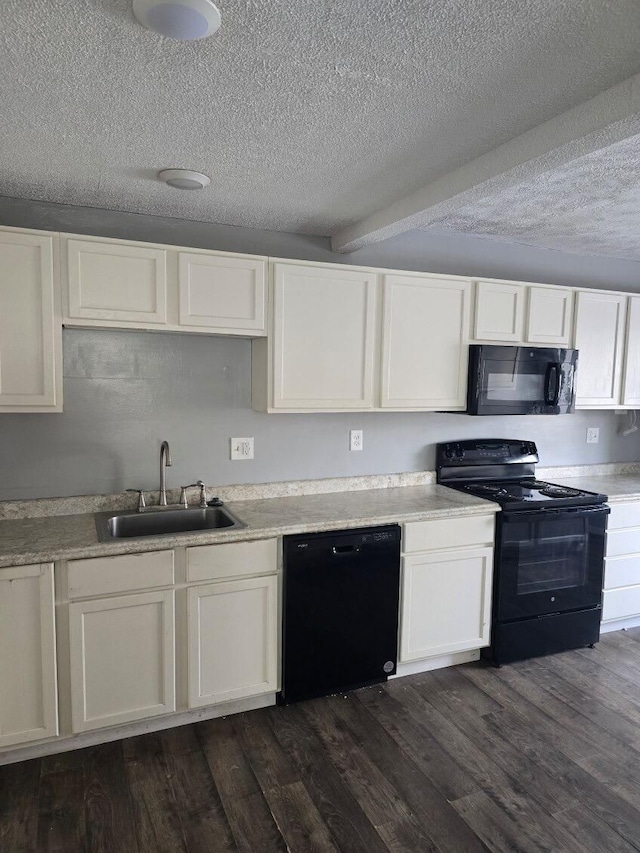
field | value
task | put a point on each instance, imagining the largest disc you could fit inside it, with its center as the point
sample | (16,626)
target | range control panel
(494,451)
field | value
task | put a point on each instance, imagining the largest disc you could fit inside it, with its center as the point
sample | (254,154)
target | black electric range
(549,548)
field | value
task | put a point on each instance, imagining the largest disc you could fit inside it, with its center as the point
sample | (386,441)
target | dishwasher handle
(345,550)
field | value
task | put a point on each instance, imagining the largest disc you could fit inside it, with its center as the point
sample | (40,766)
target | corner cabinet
(28,697)
(425,333)
(30,323)
(320,355)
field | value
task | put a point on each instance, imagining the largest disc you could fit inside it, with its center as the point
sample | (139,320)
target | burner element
(486,489)
(552,491)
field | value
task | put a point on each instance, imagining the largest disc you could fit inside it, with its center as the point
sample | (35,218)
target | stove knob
(459,453)
(449,454)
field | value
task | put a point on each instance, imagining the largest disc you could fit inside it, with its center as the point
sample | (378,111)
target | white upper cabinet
(513,313)
(222,292)
(631,392)
(549,316)
(129,285)
(30,326)
(599,338)
(28,696)
(115,281)
(322,344)
(425,333)
(499,311)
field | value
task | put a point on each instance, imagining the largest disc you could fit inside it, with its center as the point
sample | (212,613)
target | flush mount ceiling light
(178,19)
(184,179)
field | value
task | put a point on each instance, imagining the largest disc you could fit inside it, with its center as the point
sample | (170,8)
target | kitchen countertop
(617,487)
(48,538)
(39,540)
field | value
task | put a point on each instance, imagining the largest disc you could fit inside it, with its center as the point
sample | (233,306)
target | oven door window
(549,562)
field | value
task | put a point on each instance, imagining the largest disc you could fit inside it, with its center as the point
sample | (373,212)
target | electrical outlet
(242,448)
(593,435)
(355,439)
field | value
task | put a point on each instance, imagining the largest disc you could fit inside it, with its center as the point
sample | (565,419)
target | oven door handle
(554,370)
(570,511)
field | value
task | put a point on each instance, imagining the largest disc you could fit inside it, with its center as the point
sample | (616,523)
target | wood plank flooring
(542,755)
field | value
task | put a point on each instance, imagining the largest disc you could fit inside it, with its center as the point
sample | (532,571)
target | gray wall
(126,391)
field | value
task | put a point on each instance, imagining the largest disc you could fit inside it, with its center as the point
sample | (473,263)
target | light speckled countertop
(38,540)
(57,537)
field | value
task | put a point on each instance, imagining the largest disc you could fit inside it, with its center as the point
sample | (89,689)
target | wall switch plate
(593,435)
(242,448)
(355,439)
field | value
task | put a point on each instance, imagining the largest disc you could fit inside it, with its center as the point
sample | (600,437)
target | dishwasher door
(341,592)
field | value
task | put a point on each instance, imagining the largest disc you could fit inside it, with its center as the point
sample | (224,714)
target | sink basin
(127,524)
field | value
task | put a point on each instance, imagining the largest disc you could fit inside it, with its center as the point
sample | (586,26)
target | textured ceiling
(591,206)
(307,114)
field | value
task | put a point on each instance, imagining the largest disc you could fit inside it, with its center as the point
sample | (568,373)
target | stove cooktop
(528,491)
(503,470)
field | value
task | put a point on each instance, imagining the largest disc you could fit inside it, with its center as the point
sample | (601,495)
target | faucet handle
(141,501)
(203,493)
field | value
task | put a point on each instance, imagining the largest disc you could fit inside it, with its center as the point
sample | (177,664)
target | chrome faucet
(165,462)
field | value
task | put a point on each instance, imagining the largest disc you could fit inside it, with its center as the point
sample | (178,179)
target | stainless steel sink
(127,524)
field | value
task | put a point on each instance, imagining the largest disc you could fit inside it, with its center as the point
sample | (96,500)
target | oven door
(549,561)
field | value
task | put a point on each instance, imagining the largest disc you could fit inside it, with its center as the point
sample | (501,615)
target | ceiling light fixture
(184,179)
(178,19)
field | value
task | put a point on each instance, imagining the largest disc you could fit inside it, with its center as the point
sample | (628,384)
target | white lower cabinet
(28,692)
(122,659)
(446,591)
(621,597)
(233,637)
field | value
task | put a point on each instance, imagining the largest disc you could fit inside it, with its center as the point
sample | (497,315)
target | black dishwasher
(341,592)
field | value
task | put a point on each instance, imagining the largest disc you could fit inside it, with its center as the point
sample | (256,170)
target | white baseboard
(64,743)
(620,624)
(439,662)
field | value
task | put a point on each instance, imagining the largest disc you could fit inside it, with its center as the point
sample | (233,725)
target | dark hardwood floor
(538,755)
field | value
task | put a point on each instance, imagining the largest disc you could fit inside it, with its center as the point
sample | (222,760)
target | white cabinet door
(30,323)
(122,659)
(446,602)
(233,636)
(323,338)
(224,293)
(631,393)
(425,336)
(550,316)
(115,281)
(28,698)
(599,338)
(499,311)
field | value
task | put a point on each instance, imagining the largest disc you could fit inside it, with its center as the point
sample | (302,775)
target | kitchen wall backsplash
(126,391)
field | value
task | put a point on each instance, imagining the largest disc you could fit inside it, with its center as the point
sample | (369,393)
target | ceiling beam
(603,120)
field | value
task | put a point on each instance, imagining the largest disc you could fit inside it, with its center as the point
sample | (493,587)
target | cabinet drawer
(213,562)
(621,571)
(621,542)
(621,603)
(106,575)
(624,515)
(447,533)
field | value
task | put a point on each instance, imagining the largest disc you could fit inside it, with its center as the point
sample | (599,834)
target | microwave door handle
(551,397)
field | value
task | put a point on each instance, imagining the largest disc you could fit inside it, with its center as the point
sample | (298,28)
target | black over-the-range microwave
(522,380)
